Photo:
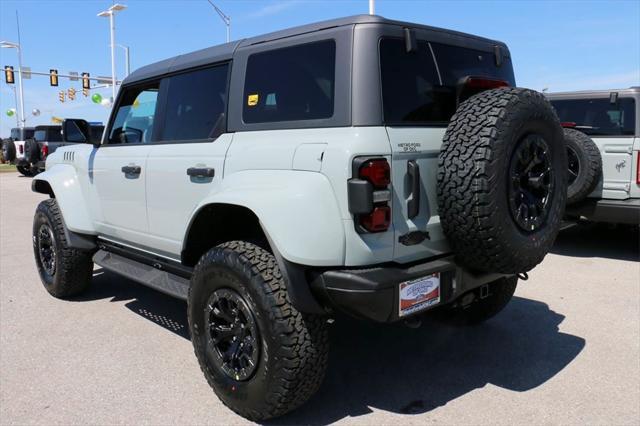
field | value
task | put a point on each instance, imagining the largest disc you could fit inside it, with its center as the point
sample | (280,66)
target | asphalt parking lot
(565,351)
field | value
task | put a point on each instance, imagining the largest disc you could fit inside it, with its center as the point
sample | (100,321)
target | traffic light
(86,84)
(61,95)
(53,77)
(71,93)
(9,77)
(85,92)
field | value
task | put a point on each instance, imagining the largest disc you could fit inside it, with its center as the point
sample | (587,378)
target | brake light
(377,172)
(21,149)
(482,83)
(638,167)
(378,220)
(568,124)
(369,194)
(45,151)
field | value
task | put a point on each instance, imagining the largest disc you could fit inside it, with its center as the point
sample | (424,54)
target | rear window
(416,90)
(598,117)
(48,135)
(290,84)
(18,135)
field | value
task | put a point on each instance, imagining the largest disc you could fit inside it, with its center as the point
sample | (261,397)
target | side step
(157,279)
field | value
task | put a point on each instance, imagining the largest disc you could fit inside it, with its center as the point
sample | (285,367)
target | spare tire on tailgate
(502,180)
(31,151)
(585,165)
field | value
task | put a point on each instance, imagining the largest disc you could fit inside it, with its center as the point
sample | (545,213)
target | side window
(290,84)
(196,104)
(133,122)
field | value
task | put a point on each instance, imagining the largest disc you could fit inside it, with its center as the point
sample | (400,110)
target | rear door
(419,90)
(187,162)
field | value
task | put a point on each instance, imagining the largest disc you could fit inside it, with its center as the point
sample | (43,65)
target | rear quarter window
(290,84)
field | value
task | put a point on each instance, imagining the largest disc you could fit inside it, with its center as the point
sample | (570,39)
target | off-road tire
(500,294)
(293,346)
(8,150)
(73,268)
(473,180)
(31,151)
(589,162)
(24,169)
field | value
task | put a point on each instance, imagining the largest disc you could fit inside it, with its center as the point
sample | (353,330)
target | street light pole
(10,45)
(111,14)
(226,19)
(372,7)
(127,59)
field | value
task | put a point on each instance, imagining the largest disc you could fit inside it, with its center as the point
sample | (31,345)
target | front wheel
(260,355)
(64,271)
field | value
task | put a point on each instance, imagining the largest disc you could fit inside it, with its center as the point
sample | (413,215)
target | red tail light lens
(568,124)
(45,151)
(378,220)
(377,172)
(638,167)
(21,149)
(481,83)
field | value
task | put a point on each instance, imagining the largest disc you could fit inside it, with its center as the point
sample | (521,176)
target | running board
(163,281)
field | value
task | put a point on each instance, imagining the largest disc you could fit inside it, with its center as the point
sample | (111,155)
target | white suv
(362,165)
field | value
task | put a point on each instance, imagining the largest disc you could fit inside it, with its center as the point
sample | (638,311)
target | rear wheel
(260,355)
(24,169)
(502,180)
(64,271)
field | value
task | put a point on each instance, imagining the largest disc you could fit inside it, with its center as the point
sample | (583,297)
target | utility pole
(372,7)
(226,19)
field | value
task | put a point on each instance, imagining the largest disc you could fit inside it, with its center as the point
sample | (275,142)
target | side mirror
(76,130)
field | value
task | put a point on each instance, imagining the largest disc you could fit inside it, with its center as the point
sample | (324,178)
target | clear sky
(562,45)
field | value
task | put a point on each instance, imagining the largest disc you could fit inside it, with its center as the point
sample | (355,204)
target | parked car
(603,140)
(360,165)
(45,141)
(13,147)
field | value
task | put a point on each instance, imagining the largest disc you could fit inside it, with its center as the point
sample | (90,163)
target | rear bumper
(373,293)
(614,211)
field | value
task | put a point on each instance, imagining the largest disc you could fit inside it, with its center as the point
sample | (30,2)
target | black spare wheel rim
(531,183)
(47,249)
(233,342)
(574,166)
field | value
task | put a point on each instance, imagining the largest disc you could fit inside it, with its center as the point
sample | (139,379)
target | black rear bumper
(373,293)
(613,211)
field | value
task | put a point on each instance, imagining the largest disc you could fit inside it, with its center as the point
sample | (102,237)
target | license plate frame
(419,294)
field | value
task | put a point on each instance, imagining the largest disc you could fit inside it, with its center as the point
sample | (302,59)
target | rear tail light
(568,124)
(483,83)
(638,167)
(369,194)
(21,149)
(45,151)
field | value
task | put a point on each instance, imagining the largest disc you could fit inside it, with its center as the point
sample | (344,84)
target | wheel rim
(574,165)
(531,183)
(232,334)
(47,249)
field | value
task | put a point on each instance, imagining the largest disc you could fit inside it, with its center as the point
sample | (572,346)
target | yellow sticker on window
(252,100)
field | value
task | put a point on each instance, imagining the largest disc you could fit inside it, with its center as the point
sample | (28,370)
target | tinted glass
(48,135)
(598,116)
(134,119)
(196,104)
(290,84)
(40,135)
(96,133)
(411,88)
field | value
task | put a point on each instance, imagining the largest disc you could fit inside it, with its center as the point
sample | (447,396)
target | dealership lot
(566,349)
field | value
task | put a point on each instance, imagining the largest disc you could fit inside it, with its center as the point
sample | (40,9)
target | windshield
(598,117)
(417,90)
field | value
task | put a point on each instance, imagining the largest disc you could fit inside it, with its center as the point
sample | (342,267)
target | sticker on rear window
(252,100)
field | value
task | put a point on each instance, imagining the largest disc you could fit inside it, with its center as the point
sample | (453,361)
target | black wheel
(8,150)
(64,271)
(585,165)
(260,355)
(476,308)
(24,169)
(502,180)
(31,151)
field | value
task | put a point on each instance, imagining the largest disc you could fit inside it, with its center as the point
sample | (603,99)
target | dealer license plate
(419,294)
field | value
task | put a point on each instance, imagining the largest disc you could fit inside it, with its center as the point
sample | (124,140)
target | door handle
(413,205)
(131,170)
(204,172)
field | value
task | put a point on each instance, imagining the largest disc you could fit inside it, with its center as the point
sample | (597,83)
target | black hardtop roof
(224,52)
(48,127)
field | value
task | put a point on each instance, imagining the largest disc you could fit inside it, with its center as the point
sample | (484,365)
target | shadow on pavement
(398,369)
(620,242)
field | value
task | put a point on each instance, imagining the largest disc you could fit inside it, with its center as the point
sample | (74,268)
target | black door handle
(413,205)
(201,172)
(131,170)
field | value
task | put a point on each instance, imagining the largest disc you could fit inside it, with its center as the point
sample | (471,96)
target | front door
(118,168)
